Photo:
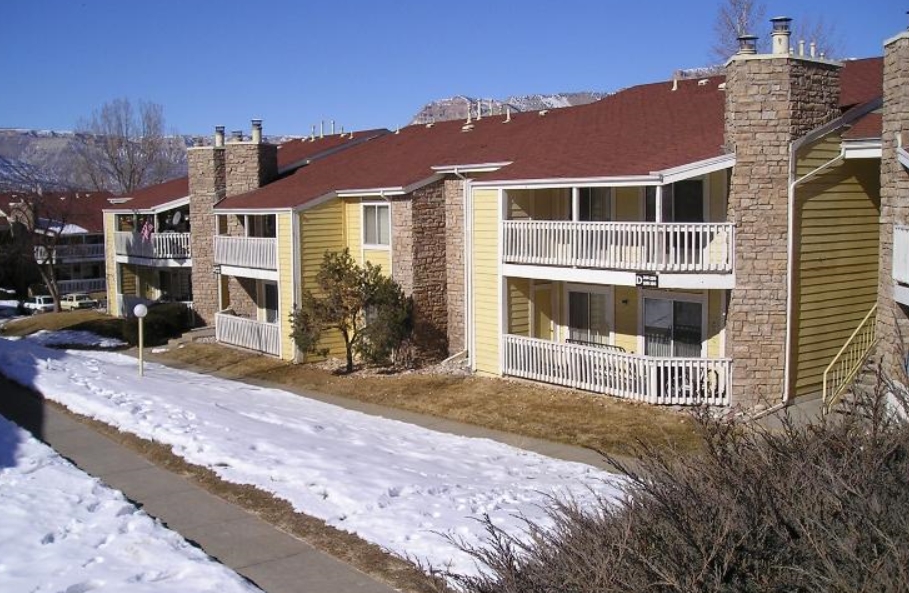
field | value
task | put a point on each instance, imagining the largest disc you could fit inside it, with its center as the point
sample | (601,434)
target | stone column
(206,188)
(893,318)
(454,263)
(771,100)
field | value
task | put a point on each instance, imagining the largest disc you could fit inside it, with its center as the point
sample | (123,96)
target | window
(588,317)
(594,204)
(672,328)
(263,225)
(376,225)
(683,201)
(270,292)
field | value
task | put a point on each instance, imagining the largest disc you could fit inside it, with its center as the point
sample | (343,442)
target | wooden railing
(644,246)
(247,252)
(651,379)
(85,285)
(901,253)
(71,253)
(157,246)
(841,371)
(248,333)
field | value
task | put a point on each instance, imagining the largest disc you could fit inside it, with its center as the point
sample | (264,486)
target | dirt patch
(520,407)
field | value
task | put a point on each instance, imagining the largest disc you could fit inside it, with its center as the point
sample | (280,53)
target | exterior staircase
(849,365)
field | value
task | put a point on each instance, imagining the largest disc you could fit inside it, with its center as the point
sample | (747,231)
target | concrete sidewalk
(272,559)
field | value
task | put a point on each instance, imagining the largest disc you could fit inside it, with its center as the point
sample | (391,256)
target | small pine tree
(368,309)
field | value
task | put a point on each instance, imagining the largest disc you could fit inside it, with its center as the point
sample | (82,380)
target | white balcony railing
(634,246)
(651,379)
(248,333)
(901,254)
(157,246)
(247,252)
(71,253)
(86,285)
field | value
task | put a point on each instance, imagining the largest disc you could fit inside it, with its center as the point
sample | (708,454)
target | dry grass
(520,407)
(85,319)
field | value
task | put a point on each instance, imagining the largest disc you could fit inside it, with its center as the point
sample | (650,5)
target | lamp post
(140,311)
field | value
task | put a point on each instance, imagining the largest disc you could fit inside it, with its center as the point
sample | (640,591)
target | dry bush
(809,508)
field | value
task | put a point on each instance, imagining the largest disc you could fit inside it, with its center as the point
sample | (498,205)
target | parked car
(39,304)
(78,301)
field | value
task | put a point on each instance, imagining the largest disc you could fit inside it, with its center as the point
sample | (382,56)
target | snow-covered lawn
(73,337)
(394,484)
(64,531)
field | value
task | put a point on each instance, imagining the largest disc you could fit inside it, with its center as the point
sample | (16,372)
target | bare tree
(749,17)
(123,147)
(735,18)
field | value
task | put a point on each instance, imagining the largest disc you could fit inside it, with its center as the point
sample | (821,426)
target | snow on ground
(64,531)
(394,484)
(73,337)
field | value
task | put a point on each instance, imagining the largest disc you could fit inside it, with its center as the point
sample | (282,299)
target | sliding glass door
(673,327)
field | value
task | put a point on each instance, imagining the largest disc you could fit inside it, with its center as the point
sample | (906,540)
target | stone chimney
(250,164)
(892,318)
(771,100)
(207,186)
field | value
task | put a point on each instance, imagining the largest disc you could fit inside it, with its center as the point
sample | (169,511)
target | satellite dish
(178,216)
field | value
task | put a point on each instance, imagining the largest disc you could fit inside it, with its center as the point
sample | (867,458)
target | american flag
(146,230)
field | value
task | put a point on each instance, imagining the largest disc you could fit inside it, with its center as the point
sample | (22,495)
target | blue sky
(363,63)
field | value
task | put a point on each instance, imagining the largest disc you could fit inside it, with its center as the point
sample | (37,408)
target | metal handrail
(845,373)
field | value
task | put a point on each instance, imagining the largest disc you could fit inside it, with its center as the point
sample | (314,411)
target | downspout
(790,260)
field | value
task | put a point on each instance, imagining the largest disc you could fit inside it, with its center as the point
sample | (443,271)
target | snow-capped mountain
(456,107)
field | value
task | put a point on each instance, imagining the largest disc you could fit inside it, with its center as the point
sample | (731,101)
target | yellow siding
(715,324)
(286,284)
(542,311)
(717,188)
(378,257)
(628,204)
(626,318)
(837,270)
(486,299)
(128,275)
(353,230)
(321,230)
(110,262)
(519,306)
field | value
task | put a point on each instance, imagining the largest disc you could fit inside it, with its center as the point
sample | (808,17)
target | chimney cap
(219,129)
(748,44)
(780,23)
(257,122)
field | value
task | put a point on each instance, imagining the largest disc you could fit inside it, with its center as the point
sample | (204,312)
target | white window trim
(374,246)
(670,295)
(567,287)
(261,310)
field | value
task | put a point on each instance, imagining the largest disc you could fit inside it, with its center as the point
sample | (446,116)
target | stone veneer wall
(892,321)
(206,188)
(419,265)
(454,263)
(249,166)
(242,293)
(769,103)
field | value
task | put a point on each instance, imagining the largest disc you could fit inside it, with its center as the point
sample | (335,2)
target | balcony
(159,246)
(259,253)
(71,253)
(651,247)
(248,333)
(650,379)
(85,285)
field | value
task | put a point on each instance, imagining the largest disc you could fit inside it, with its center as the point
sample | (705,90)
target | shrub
(163,322)
(809,508)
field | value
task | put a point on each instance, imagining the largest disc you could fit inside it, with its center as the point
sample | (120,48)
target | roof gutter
(471,168)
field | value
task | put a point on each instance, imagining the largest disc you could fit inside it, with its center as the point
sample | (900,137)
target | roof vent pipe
(780,35)
(197,141)
(219,136)
(322,129)
(479,110)
(747,45)
(312,134)
(507,114)
(332,127)
(802,48)
(257,131)
(237,135)
(812,49)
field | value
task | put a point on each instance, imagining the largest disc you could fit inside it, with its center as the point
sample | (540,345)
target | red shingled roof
(292,153)
(867,127)
(861,81)
(83,209)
